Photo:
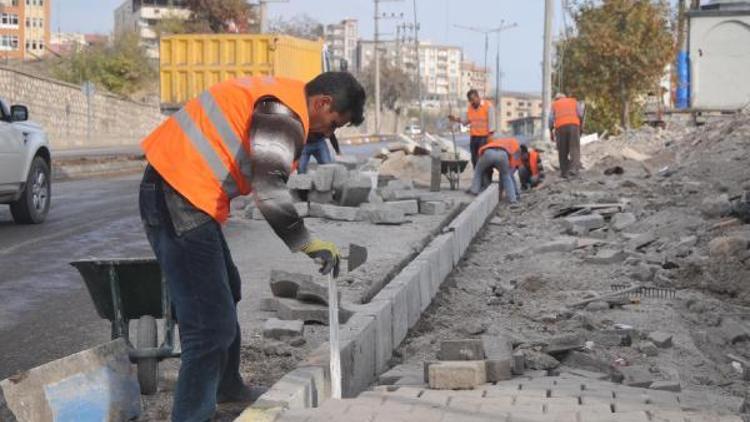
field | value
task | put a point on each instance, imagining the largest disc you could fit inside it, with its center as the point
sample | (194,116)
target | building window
(509,114)
(8,20)
(8,42)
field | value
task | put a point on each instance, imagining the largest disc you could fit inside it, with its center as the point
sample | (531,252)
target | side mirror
(19,113)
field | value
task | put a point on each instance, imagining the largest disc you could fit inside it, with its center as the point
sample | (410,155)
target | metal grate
(646,291)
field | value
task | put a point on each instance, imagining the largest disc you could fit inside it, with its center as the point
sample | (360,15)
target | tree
(301,26)
(397,88)
(618,54)
(122,68)
(220,16)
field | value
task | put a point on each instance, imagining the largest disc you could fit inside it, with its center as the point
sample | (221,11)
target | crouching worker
(531,171)
(503,154)
(239,136)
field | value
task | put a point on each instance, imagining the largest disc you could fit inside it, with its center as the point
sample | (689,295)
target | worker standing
(480,117)
(503,154)
(565,124)
(239,136)
(531,172)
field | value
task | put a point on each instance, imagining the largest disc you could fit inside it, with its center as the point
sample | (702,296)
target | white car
(413,130)
(25,163)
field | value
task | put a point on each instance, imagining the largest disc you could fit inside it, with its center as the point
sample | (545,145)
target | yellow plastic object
(191,63)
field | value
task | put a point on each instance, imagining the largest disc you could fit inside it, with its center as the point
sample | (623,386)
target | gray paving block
(588,222)
(397,295)
(335,212)
(293,309)
(361,331)
(300,182)
(635,376)
(382,311)
(383,215)
(661,339)
(463,349)
(607,256)
(301,388)
(280,329)
(302,208)
(408,206)
(389,194)
(464,375)
(498,353)
(433,207)
(317,197)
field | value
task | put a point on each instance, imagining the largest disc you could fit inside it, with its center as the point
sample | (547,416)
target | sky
(520,47)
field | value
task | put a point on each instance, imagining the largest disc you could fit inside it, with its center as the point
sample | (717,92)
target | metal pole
(498,100)
(419,71)
(262,16)
(376,55)
(333,337)
(549,11)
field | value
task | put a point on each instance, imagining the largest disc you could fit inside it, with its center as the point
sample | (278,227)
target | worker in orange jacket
(503,154)
(239,136)
(480,117)
(531,172)
(565,125)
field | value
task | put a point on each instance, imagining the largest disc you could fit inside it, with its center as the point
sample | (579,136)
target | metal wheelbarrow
(133,289)
(452,170)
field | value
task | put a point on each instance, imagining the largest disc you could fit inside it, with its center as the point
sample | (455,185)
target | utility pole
(419,71)
(549,12)
(263,13)
(376,56)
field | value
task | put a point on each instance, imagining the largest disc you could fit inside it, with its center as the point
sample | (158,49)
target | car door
(11,154)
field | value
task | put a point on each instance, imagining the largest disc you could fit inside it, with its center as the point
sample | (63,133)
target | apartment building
(516,105)
(341,39)
(474,77)
(143,17)
(24,28)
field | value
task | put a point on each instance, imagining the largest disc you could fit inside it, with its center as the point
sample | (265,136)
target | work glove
(326,254)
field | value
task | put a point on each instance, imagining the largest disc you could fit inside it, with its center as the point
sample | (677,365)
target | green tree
(397,88)
(618,53)
(122,67)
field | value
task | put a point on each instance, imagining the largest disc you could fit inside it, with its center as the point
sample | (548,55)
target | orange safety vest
(203,150)
(566,112)
(479,119)
(509,145)
(533,161)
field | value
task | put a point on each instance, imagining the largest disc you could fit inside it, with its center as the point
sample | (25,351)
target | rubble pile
(640,275)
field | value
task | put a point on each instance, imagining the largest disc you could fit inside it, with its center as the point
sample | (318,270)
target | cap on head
(559,95)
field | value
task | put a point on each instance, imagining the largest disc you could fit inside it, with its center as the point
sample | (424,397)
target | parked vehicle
(412,129)
(25,165)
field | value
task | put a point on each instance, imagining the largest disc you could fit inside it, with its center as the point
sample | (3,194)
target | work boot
(246,394)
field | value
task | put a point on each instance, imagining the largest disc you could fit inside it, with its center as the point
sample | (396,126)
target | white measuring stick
(333,338)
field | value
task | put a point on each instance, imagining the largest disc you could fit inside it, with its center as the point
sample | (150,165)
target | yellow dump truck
(191,63)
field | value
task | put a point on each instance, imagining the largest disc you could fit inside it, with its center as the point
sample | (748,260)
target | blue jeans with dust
(319,150)
(204,286)
(495,158)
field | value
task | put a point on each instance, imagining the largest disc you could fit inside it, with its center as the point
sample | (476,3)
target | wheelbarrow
(452,170)
(133,289)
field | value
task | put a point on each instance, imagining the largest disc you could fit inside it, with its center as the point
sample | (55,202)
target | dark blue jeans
(476,142)
(319,150)
(204,286)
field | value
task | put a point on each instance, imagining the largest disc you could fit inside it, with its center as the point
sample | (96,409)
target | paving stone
(539,360)
(293,309)
(671,385)
(356,190)
(468,349)
(597,306)
(563,244)
(361,330)
(300,286)
(303,210)
(607,256)
(390,195)
(727,246)
(278,329)
(316,197)
(457,375)
(397,295)
(300,182)
(623,220)
(408,206)
(399,184)
(587,222)
(269,304)
(382,310)
(383,215)
(582,360)
(635,376)
(334,212)
(564,343)
(519,362)
(498,353)
(647,348)
(661,339)
(432,207)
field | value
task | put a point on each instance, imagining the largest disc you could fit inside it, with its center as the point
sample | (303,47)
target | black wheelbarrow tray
(452,170)
(133,289)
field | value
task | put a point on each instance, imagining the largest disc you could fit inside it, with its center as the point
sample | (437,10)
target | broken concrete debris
(279,329)
(661,339)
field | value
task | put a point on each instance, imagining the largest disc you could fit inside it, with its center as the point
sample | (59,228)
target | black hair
(348,94)
(471,92)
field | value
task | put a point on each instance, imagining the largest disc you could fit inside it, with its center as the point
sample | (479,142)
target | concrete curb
(99,166)
(378,327)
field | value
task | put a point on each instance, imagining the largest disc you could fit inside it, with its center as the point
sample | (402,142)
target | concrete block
(397,295)
(441,254)
(498,353)
(327,176)
(564,343)
(635,376)
(641,240)
(360,330)
(351,162)
(606,257)
(300,286)
(334,212)
(302,388)
(671,385)
(279,329)
(389,194)
(622,220)
(408,206)
(292,309)
(382,311)
(398,184)
(316,197)
(519,362)
(300,182)
(96,384)
(356,190)
(463,375)
(433,207)
(587,222)
(661,339)
(647,348)
(467,349)
(303,210)
(562,244)
(382,215)
(410,277)
(269,304)
(426,279)
(257,215)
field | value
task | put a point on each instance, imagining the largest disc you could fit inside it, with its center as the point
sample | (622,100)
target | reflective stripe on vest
(203,151)
(509,145)
(533,162)
(566,112)
(479,119)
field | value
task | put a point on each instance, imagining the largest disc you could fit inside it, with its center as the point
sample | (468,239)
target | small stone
(564,343)
(661,339)
(475,328)
(597,306)
(622,220)
(277,329)
(297,342)
(641,241)
(634,376)
(671,385)
(716,206)
(539,360)
(647,348)
(277,349)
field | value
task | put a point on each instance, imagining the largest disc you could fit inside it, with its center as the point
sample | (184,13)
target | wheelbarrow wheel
(148,369)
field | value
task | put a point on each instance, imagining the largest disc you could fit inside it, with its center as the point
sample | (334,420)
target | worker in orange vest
(531,172)
(239,136)
(480,117)
(503,154)
(565,125)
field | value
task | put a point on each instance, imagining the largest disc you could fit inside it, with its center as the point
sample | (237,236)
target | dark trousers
(204,286)
(476,142)
(568,140)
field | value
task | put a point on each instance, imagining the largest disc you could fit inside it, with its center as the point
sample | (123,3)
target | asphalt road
(45,310)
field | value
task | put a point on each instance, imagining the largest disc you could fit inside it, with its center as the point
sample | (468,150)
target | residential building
(341,39)
(67,42)
(517,105)
(24,28)
(440,65)
(143,17)
(474,77)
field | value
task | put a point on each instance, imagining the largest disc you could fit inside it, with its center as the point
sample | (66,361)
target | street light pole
(549,11)
(376,55)
(419,71)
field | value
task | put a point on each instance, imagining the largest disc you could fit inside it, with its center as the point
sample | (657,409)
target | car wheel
(33,205)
